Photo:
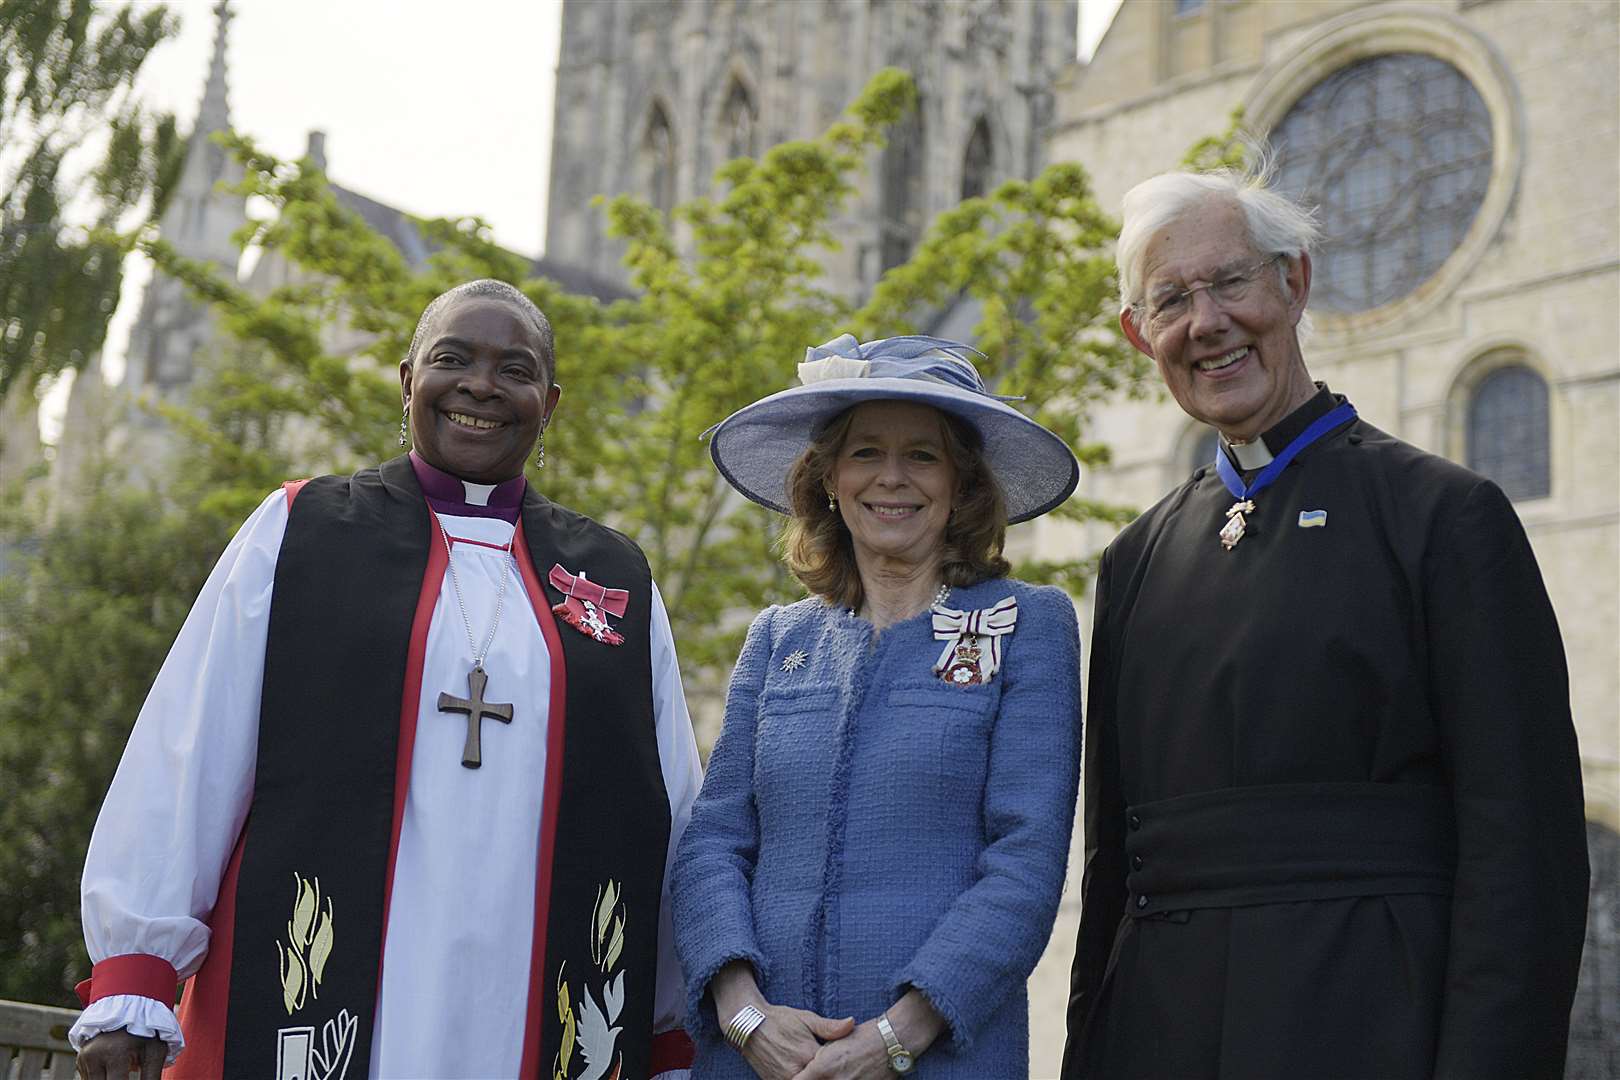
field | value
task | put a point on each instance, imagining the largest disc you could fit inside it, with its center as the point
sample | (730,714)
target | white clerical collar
(1253,454)
(478,494)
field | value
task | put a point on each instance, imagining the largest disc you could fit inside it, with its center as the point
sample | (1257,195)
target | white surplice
(455,974)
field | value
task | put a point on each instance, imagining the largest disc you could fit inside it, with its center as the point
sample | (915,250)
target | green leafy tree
(1233,148)
(88,609)
(77,156)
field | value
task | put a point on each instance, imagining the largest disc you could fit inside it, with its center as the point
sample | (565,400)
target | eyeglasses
(1166,308)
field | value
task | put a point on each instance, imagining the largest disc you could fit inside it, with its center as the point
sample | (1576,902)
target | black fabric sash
(347,582)
(613,815)
(1285,842)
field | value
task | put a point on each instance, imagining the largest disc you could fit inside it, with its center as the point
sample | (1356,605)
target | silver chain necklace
(474,705)
(500,595)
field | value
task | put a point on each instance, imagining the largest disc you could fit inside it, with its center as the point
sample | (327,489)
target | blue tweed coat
(865,827)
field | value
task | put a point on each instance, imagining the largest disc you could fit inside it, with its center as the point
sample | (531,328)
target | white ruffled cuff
(144,1017)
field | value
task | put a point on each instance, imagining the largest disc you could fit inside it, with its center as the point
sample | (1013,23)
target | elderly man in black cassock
(1333,812)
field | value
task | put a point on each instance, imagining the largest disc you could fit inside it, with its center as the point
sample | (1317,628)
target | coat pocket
(795,735)
(947,726)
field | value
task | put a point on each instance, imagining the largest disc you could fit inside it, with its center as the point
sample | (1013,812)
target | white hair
(1277,224)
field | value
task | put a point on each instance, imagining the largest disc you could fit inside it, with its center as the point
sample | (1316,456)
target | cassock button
(1354,440)
(1136,822)
(1136,862)
(1141,902)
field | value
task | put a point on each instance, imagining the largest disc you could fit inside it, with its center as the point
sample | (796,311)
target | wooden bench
(33,1042)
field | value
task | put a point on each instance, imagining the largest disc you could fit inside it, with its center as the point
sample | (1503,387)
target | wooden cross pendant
(476,709)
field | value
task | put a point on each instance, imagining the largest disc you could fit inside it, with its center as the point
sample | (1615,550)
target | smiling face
(1235,365)
(478,390)
(895,483)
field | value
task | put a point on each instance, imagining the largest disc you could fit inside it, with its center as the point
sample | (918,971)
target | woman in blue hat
(874,863)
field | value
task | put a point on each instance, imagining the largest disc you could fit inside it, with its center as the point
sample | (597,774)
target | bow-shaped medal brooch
(972,639)
(586,605)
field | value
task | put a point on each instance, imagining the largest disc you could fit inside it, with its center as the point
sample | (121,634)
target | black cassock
(1333,812)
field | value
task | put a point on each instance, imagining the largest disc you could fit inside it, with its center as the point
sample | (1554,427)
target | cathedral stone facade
(1462,155)
(172,333)
(653,97)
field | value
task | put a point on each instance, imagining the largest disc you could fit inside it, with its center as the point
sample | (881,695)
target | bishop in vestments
(403,795)
(1333,812)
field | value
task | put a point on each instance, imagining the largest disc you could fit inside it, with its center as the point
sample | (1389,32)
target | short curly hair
(817,544)
(496,290)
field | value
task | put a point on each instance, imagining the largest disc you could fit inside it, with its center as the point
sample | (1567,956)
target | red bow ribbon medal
(586,605)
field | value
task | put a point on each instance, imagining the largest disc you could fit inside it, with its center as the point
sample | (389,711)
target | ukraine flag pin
(1311,519)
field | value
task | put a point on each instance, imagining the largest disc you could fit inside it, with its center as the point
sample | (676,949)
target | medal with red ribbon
(586,605)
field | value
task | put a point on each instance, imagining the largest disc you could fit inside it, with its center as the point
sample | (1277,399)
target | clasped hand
(795,1044)
(113,1055)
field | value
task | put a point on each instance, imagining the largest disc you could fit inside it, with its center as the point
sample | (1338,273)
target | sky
(439,107)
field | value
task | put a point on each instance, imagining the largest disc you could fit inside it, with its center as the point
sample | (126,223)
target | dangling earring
(540,457)
(403,421)
(832,502)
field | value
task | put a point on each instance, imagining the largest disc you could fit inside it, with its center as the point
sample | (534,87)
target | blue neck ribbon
(1234,482)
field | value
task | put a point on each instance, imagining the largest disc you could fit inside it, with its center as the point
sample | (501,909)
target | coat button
(1136,822)
(1136,862)
(1141,902)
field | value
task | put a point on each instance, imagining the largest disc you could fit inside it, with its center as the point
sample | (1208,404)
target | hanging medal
(973,641)
(965,668)
(1237,516)
(586,605)
(1236,523)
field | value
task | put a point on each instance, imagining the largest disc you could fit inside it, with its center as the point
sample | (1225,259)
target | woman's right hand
(781,1047)
(785,1043)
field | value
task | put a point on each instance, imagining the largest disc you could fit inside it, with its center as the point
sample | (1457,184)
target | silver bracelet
(744,1024)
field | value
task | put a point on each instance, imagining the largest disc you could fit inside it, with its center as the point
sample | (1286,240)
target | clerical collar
(449,494)
(1257,453)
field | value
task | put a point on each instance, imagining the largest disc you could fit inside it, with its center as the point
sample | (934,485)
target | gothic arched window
(1396,152)
(738,120)
(977,161)
(658,160)
(1507,431)
(902,190)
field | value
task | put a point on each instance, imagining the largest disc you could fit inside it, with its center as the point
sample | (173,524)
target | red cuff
(133,973)
(671,1050)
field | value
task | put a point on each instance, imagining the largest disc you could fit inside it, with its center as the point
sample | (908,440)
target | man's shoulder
(1154,519)
(1424,482)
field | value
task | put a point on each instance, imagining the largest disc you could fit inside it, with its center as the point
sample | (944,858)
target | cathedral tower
(198,223)
(653,97)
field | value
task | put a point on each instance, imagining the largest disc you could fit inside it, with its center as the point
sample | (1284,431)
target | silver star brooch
(794,660)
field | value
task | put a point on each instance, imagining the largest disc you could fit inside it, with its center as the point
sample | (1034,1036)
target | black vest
(346,590)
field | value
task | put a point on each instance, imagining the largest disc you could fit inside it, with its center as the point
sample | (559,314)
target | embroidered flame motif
(591,1025)
(309,944)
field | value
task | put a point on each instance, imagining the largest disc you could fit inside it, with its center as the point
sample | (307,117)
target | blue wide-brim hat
(755,446)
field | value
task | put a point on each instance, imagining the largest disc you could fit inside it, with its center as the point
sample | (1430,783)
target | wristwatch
(900,1059)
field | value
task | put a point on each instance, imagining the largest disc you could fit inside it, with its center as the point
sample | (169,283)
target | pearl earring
(832,502)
